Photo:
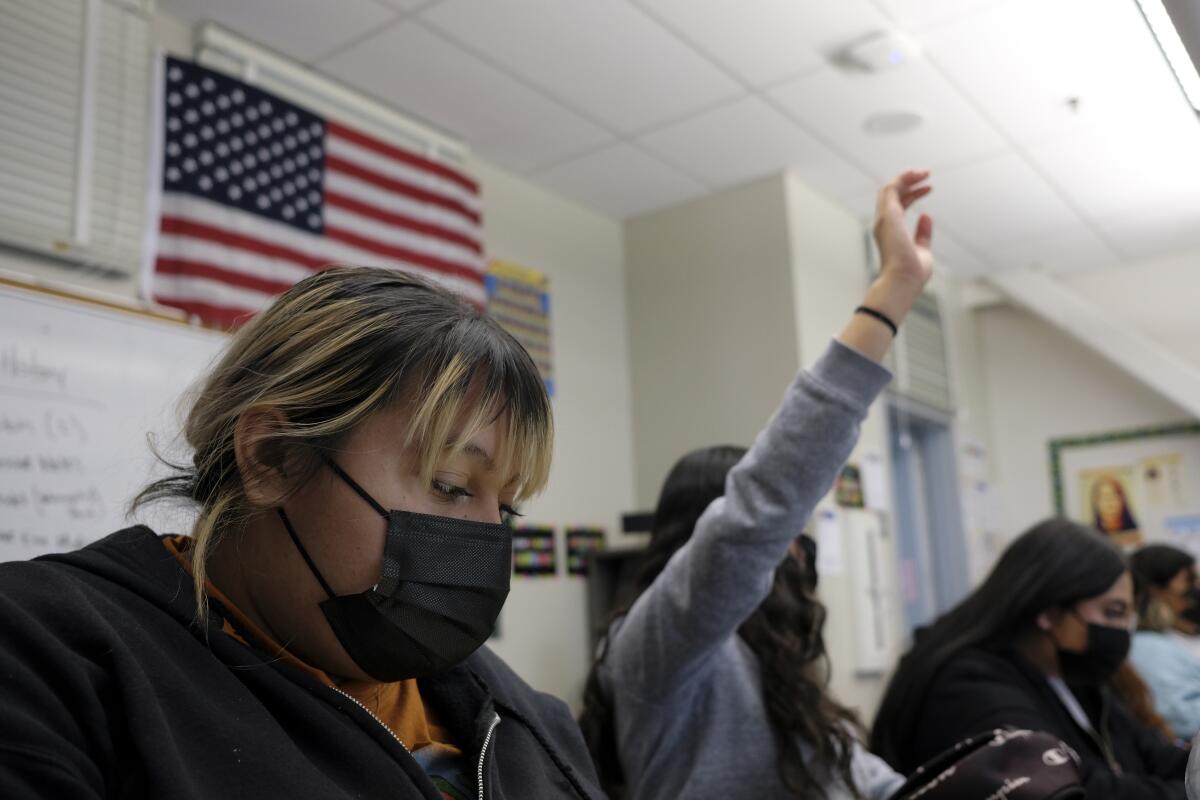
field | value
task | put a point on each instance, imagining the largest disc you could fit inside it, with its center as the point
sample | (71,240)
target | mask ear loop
(361,492)
(287,523)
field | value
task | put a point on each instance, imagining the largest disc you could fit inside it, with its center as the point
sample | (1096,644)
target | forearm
(890,295)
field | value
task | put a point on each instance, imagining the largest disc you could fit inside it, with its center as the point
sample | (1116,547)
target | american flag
(257,193)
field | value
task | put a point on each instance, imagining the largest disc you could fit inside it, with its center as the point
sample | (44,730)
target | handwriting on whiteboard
(48,500)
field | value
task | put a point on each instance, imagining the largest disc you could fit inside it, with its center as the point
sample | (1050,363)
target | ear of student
(265,463)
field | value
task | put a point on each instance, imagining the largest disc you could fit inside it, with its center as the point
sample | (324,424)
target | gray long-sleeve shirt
(686,689)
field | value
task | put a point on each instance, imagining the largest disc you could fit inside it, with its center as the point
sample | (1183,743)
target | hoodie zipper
(374,717)
(483,751)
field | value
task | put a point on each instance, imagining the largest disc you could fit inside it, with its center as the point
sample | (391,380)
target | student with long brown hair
(712,684)
(318,635)
(1035,646)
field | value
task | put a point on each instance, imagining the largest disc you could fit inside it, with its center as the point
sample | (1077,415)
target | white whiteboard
(81,386)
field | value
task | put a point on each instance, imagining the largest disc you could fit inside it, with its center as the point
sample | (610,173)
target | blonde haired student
(319,635)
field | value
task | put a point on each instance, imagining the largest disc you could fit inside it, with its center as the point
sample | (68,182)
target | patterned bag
(999,765)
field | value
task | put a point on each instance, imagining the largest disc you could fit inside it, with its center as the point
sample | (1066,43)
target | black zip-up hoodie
(979,690)
(109,690)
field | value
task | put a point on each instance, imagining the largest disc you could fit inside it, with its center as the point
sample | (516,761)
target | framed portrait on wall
(1131,485)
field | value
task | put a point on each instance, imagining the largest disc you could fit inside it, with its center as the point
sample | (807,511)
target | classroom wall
(972,421)
(543,626)
(1042,385)
(711,322)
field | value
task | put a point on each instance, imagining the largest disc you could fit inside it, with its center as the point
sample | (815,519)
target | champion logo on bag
(1055,757)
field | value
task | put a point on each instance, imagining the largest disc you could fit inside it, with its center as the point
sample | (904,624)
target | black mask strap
(287,523)
(341,473)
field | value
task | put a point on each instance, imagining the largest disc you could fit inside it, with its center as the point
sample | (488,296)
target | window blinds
(74,103)
(920,360)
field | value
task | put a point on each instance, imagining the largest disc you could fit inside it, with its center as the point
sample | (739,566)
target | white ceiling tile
(834,103)
(621,181)
(768,40)
(952,257)
(913,15)
(301,29)
(1076,249)
(997,200)
(747,139)
(608,59)
(499,117)
(1126,165)
(1154,231)
(1023,60)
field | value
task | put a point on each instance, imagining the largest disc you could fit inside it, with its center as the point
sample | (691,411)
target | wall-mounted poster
(1130,485)
(581,544)
(533,551)
(1110,501)
(519,299)
(849,488)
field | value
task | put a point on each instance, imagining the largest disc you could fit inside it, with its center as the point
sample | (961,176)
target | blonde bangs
(459,403)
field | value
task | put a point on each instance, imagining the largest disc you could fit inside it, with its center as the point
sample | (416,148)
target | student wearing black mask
(319,634)
(1165,582)
(1168,576)
(1035,646)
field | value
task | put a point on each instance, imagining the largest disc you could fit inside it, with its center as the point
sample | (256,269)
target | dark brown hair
(784,633)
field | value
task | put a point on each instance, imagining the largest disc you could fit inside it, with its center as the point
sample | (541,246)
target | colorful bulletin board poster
(1135,486)
(581,544)
(849,487)
(533,551)
(519,299)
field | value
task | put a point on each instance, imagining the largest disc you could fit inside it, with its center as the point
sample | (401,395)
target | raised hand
(905,255)
(906,265)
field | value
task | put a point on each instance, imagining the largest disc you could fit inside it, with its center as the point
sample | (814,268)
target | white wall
(1042,385)
(543,626)
(972,424)
(711,323)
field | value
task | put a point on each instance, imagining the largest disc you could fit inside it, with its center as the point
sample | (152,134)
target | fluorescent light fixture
(1172,47)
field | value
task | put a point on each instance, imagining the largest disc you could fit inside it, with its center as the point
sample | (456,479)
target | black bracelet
(879,315)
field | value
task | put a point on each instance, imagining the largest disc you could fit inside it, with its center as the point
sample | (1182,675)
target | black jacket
(979,690)
(107,690)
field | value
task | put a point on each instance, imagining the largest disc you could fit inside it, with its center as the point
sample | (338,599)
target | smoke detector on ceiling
(882,51)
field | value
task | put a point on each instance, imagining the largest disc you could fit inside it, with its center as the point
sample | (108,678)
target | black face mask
(443,584)
(1192,612)
(1106,651)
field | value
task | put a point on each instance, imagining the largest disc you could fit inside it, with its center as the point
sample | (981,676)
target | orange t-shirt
(398,705)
